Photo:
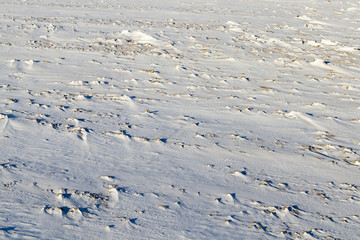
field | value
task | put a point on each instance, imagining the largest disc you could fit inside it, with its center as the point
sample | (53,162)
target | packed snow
(179,119)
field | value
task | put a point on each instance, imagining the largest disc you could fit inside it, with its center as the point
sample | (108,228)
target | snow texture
(179,119)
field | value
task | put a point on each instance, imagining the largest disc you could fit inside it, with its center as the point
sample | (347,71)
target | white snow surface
(179,119)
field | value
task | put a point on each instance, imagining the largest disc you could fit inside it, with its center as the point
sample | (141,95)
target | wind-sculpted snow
(179,120)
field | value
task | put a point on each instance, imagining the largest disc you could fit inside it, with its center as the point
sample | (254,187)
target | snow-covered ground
(179,119)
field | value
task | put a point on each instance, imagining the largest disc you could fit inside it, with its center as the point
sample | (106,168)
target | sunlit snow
(179,119)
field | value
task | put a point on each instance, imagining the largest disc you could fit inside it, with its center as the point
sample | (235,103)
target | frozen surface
(179,119)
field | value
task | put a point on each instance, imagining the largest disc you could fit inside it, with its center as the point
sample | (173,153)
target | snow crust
(179,119)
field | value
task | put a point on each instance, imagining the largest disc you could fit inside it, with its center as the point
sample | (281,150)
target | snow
(179,119)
